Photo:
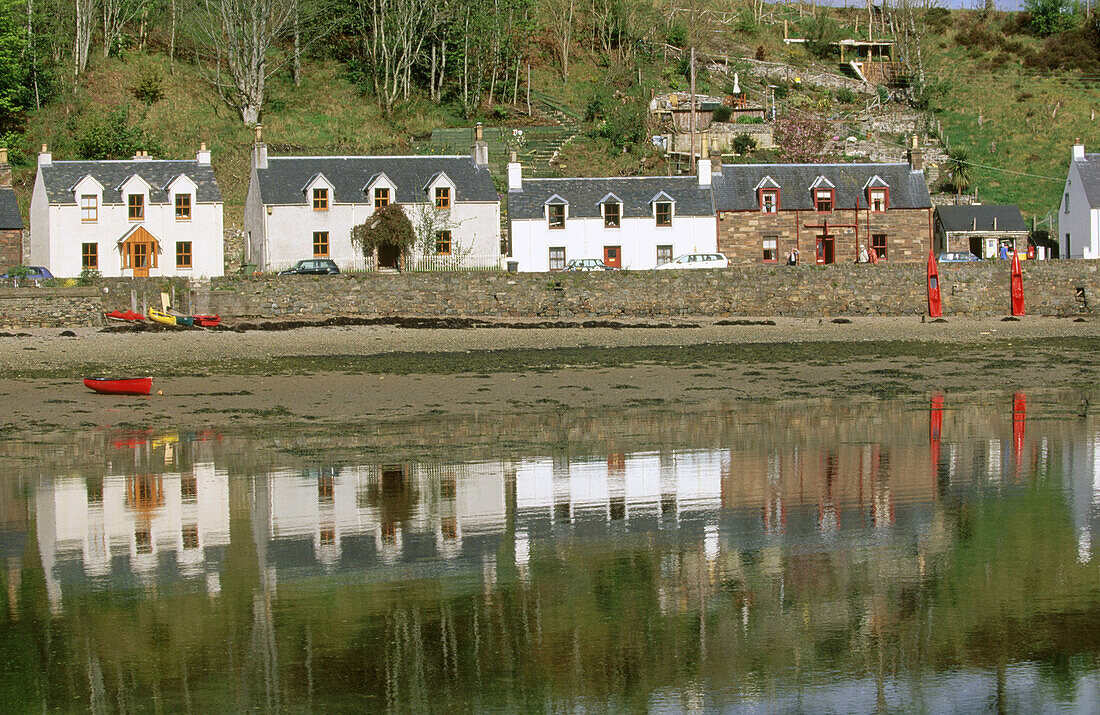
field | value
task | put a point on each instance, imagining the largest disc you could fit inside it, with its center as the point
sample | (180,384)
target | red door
(612,256)
(825,249)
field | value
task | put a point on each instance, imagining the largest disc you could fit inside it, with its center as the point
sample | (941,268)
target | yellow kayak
(161,317)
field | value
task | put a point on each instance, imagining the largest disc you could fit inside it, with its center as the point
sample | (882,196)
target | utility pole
(692,159)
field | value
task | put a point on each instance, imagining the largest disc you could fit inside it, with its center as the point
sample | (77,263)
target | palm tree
(959,165)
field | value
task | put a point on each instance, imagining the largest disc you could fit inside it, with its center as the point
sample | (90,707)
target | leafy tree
(1049,17)
(821,33)
(802,137)
(958,165)
(388,226)
(14,72)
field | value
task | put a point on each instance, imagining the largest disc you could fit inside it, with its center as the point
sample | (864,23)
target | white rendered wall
(1081,223)
(587,237)
(288,231)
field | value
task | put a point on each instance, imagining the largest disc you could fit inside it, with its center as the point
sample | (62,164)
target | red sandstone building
(11,221)
(825,211)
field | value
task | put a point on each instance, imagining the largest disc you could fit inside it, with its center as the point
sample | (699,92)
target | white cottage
(134,218)
(629,222)
(306,206)
(1079,214)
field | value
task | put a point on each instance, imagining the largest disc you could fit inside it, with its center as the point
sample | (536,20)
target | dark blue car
(34,274)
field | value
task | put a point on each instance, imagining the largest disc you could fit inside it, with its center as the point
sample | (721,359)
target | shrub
(761,53)
(846,96)
(112,136)
(722,113)
(802,137)
(939,19)
(677,35)
(150,87)
(744,143)
(883,94)
(750,120)
(1049,17)
(820,34)
(388,226)
(88,277)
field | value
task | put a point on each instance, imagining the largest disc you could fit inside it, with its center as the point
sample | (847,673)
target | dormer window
(769,200)
(381,198)
(443,197)
(612,215)
(823,200)
(664,213)
(183,207)
(320,199)
(135,207)
(877,200)
(556,215)
(89,208)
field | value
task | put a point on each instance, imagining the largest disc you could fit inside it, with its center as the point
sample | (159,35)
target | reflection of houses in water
(1081,464)
(381,514)
(621,488)
(130,530)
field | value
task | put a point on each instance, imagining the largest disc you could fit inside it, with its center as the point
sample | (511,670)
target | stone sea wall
(976,289)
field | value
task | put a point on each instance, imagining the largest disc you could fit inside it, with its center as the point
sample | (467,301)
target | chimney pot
(3,155)
(5,169)
(259,133)
(478,131)
(44,149)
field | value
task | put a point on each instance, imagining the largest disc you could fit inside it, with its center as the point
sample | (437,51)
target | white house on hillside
(134,218)
(306,206)
(629,222)
(1079,214)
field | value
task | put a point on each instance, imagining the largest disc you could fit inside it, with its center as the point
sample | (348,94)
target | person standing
(792,257)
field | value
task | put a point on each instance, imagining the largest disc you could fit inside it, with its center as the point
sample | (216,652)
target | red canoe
(120,386)
(207,321)
(126,315)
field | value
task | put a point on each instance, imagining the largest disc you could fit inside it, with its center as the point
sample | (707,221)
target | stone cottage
(11,220)
(825,211)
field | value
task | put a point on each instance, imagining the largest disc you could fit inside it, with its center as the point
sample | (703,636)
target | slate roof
(60,176)
(1089,170)
(10,218)
(961,218)
(584,196)
(282,181)
(735,190)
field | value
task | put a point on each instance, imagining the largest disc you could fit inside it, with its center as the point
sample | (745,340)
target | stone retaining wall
(975,289)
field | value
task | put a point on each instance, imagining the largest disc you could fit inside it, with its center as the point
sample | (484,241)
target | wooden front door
(139,252)
(825,253)
(613,256)
(388,256)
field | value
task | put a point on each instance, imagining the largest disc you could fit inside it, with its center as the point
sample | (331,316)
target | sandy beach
(363,374)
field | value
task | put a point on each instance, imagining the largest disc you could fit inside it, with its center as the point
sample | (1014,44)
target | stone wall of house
(740,233)
(973,289)
(11,248)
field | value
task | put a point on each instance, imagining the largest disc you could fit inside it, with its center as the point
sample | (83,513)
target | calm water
(820,557)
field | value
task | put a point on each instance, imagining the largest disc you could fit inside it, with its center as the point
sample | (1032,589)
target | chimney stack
(5,169)
(914,155)
(704,172)
(203,157)
(515,175)
(259,150)
(45,158)
(1078,150)
(715,161)
(142,155)
(480,151)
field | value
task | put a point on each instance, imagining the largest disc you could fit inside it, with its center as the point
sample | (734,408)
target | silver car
(697,260)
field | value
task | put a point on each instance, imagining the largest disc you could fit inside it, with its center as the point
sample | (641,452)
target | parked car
(697,260)
(960,257)
(587,264)
(28,274)
(312,267)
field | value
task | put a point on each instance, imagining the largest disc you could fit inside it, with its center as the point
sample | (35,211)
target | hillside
(985,91)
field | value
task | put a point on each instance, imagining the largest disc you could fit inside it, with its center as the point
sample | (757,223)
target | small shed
(980,229)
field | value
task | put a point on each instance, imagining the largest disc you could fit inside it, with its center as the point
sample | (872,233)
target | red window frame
(832,200)
(774,251)
(885,198)
(878,245)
